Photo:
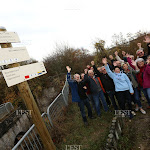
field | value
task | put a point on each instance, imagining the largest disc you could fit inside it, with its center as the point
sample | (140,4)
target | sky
(41,24)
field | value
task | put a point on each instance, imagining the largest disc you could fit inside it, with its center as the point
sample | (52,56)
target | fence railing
(55,108)
(31,139)
(114,133)
(5,109)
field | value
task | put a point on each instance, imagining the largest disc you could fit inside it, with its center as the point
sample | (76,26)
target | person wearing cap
(140,78)
(123,86)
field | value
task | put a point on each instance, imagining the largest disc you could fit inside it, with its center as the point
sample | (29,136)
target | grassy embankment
(70,130)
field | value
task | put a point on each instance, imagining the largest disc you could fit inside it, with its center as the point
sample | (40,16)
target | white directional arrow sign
(20,74)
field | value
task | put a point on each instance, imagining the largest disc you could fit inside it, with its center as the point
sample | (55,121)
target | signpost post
(28,97)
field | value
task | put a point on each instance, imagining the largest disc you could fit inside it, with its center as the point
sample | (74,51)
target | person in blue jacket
(78,91)
(123,85)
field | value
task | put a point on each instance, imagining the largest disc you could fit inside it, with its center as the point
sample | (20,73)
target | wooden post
(31,105)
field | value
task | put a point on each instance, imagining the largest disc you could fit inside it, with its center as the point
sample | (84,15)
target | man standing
(108,84)
(96,89)
(78,91)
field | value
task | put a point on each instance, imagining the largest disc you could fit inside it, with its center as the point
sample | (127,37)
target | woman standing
(146,77)
(123,85)
(131,73)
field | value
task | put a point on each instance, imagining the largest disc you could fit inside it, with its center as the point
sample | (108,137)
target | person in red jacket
(146,77)
(142,66)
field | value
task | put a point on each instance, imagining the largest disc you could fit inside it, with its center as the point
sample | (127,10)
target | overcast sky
(41,24)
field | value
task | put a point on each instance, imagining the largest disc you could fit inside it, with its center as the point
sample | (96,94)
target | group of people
(120,83)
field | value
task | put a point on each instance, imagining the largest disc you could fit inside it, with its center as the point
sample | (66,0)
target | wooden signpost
(5,41)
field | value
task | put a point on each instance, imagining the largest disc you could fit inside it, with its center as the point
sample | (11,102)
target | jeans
(88,106)
(137,97)
(107,98)
(146,95)
(111,94)
(96,97)
(103,101)
(148,92)
(92,101)
(124,97)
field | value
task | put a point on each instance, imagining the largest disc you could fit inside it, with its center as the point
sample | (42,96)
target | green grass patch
(92,137)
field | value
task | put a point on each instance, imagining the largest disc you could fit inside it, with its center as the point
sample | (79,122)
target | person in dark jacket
(88,92)
(108,84)
(78,90)
(96,89)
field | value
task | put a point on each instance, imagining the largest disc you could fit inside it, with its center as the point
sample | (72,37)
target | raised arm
(110,73)
(111,59)
(137,70)
(148,66)
(124,56)
(70,81)
(147,40)
(86,78)
(130,62)
(95,69)
(118,58)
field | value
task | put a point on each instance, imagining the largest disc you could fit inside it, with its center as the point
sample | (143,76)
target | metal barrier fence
(65,92)
(114,133)
(55,108)
(5,109)
(31,139)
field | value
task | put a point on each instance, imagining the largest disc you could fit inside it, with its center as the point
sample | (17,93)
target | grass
(134,133)
(126,141)
(70,130)
(92,137)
